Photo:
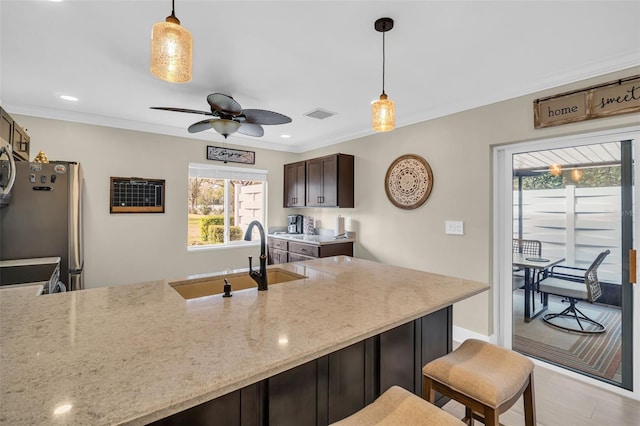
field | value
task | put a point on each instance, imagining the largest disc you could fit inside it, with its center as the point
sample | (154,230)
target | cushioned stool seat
(399,407)
(485,378)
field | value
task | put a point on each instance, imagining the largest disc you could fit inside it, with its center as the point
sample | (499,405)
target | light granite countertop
(313,239)
(135,353)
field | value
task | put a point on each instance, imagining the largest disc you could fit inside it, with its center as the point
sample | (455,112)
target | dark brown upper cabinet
(294,184)
(330,181)
(320,182)
(14,135)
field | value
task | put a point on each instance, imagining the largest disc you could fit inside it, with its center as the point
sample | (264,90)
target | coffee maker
(295,224)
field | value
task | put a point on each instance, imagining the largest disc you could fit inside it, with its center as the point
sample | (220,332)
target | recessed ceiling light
(69,98)
(56,1)
(285,136)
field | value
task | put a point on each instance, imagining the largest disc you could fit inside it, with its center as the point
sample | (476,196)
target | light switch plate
(454,227)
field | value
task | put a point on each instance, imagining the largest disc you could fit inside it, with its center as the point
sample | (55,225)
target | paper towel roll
(348,226)
(339,229)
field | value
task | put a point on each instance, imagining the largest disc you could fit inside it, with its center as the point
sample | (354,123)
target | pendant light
(171,50)
(383,110)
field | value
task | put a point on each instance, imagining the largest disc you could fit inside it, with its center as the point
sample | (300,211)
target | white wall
(458,149)
(128,248)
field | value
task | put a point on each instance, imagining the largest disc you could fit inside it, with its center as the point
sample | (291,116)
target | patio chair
(532,248)
(561,282)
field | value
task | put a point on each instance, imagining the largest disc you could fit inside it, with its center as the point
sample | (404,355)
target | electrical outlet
(454,227)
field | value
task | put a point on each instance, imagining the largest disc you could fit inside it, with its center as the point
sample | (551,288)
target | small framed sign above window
(136,195)
(230,155)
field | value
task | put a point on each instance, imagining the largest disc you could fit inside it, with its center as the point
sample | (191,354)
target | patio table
(529,263)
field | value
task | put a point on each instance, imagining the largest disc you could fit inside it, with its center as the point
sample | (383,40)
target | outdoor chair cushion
(564,288)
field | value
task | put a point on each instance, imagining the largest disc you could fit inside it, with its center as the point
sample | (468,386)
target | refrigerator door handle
(75,280)
(76,252)
(6,190)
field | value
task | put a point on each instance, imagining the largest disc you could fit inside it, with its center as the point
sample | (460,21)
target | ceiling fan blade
(261,116)
(200,126)
(192,111)
(224,104)
(251,129)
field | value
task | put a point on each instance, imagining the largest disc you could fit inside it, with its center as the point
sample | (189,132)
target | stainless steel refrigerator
(43,217)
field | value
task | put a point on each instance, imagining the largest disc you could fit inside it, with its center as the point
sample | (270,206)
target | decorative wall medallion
(408,182)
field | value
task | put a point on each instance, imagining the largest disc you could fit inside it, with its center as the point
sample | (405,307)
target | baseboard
(461,334)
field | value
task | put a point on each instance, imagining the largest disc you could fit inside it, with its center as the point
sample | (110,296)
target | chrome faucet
(258,277)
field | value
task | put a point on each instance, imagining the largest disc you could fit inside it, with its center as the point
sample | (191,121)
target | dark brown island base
(334,386)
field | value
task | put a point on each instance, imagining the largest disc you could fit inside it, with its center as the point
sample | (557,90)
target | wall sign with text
(219,153)
(604,100)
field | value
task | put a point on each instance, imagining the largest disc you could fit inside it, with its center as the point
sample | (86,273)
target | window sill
(232,245)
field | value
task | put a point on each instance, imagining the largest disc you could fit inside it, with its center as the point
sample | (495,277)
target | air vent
(320,114)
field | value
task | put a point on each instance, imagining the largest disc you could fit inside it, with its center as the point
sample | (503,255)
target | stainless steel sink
(208,286)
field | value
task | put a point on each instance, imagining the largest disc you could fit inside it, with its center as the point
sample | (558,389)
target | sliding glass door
(564,208)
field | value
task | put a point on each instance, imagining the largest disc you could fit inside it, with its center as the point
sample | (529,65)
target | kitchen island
(138,353)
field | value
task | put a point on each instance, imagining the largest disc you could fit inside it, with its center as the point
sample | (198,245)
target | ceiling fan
(228,117)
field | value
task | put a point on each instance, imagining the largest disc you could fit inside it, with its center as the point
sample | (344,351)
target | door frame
(502,211)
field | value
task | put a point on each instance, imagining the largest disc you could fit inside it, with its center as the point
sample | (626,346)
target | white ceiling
(295,56)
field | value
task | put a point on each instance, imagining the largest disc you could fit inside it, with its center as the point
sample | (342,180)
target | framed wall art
(229,155)
(136,195)
(408,182)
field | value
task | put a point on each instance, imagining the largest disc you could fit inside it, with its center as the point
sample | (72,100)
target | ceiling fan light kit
(171,50)
(383,111)
(228,117)
(225,127)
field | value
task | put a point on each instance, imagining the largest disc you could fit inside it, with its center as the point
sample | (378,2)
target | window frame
(228,174)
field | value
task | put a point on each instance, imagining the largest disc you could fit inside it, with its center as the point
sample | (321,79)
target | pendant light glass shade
(383,111)
(383,114)
(171,51)
(225,127)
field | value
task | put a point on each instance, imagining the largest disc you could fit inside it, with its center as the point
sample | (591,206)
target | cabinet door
(293,396)
(314,182)
(436,341)
(277,251)
(279,256)
(349,376)
(20,142)
(224,411)
(322,182)
(397,358)
(330,181)
(294,184)
(6,126)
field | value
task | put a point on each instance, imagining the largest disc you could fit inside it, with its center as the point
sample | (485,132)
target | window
(222,202)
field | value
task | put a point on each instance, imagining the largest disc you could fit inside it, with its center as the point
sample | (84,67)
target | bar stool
(485,378)
(399,407)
